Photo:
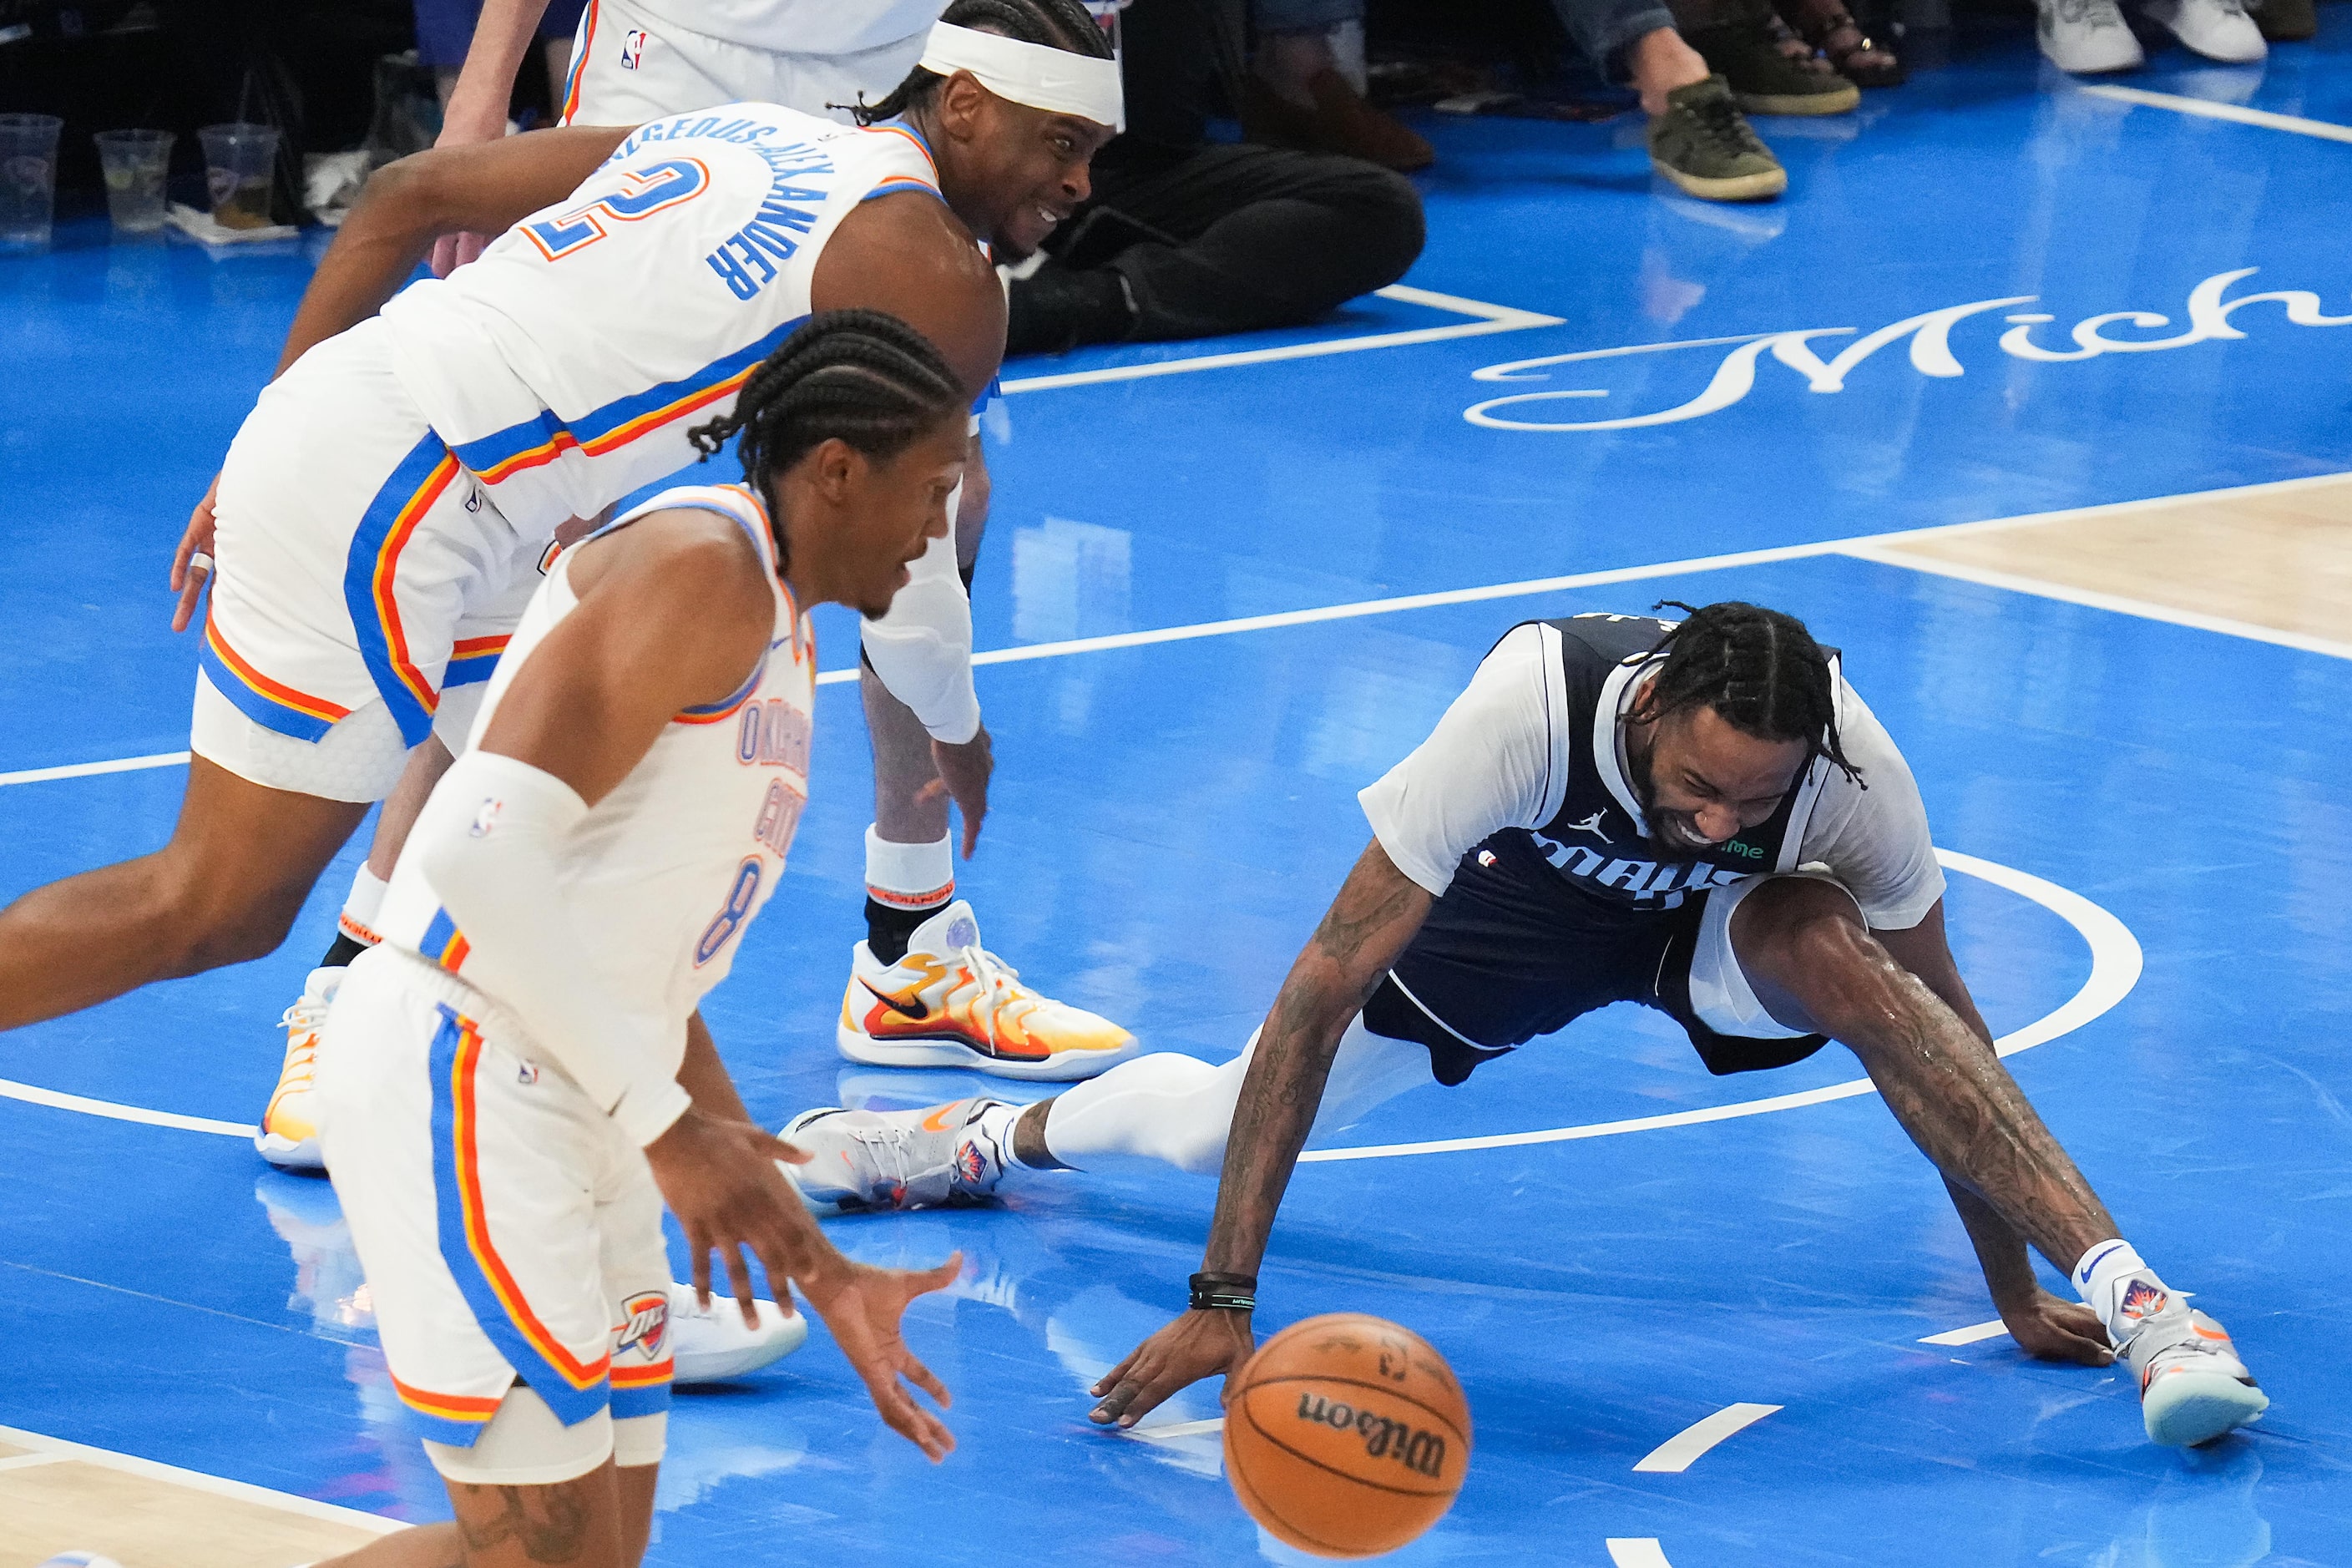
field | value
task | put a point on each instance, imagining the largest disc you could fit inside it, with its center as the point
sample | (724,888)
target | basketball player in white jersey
(1701,818)
(382,512)
(506,1109)
(922,990)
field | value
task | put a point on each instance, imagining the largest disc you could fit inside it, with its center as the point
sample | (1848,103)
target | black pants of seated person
(1223,238)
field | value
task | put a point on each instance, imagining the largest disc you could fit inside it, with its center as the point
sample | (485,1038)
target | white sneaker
(2218,29)
(950,1003)
(2087,36)
(2192,1387)
(861,1160)
(712,1345)
(289,1138)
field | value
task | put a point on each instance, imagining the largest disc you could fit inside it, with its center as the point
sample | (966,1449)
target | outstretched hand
(2050,1328)
(964,773)
(719,1178)
(1197,1345)
(189,574)
(862,1306)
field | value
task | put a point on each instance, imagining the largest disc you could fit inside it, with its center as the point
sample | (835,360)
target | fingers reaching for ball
(1197,1345)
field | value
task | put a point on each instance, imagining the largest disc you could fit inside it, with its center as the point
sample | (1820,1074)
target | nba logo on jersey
(633,48)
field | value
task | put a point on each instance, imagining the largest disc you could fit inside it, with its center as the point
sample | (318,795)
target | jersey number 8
(643,192)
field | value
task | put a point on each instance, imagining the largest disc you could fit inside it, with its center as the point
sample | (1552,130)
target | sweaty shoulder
(907,254)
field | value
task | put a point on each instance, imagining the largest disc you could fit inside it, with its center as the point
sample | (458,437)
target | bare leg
(225,890)
(600,1521)
(1815,966)
(1660,63)
(426,763)
(558,52)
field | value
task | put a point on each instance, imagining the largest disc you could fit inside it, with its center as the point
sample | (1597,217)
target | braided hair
(1064,24)
(1759,668)
(863,376)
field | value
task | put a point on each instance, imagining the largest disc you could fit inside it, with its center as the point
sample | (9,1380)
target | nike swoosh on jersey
(2097,1261)
(915,1014)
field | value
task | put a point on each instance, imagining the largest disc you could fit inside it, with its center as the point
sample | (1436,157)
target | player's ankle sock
(905,884)
(996,1124)
(2106,1275)
(355,927)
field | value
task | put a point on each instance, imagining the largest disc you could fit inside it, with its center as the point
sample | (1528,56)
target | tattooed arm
(1377,913)
(2042,1324)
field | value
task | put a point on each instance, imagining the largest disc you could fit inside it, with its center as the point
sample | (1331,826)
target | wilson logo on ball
(1416,1450)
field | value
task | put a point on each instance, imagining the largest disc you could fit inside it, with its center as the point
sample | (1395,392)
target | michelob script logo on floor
(1931,351)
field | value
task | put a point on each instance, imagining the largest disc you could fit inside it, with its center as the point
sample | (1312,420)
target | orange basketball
(1346,1436)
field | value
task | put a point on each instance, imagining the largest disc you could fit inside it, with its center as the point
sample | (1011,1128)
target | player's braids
(1759,668)
(1064,24)
(868,378)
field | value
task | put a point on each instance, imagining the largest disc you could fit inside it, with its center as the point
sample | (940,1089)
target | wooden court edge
(40,1449)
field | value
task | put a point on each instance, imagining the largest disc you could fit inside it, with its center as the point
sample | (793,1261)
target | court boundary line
(1489,320)
(1853,546)
(1686,1447)
(58,1450)
(2209,109)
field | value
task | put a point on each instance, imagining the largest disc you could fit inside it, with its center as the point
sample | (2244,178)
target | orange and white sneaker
(289,1138)
(2192,1387)
(950,1003)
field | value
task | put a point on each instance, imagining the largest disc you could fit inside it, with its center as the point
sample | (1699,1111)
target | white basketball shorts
(629,67)
(361,576)
(510,1231)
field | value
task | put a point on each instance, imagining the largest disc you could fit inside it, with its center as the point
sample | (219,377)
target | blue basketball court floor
(1222,596)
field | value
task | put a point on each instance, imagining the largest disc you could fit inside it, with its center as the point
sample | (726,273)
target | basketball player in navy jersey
(1699,816)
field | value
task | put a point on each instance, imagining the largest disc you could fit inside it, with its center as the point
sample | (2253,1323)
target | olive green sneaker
(1704,146)
(1767,79)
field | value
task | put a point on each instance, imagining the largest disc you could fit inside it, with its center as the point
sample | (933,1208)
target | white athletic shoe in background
(950,1003)
(2192,1387)
(289,1138)
(713,1345)
(2218,29)
(2087,36)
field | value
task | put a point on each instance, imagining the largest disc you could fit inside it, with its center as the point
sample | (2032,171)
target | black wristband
(1224,1292)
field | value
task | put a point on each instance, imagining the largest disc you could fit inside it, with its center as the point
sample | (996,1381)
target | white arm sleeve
(488,840)
(922,648)
(1492,763)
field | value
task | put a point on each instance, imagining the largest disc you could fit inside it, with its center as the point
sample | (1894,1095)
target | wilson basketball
(1348,1435)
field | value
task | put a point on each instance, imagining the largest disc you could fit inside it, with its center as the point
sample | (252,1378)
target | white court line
(33,1461)
(1675,1455)
(1491,318)
(1637,1552)
(2115,969)
(1970,1335)
(2042,588)
(1529,587)
(58,1449)
(2115,961)
(2326,130)
(1174,1429)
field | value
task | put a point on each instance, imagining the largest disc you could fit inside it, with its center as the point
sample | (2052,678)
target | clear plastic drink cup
(135,162)
(28,179)
(237,163)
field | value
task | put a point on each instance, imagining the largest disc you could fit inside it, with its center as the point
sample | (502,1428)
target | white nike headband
(1052,79)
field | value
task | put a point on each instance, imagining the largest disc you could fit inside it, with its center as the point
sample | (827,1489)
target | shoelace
(301,1022)
(1000,983)
(890,1143)
(1719,119)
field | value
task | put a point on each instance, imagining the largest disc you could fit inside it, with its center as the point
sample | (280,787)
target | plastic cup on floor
(135,162)
(239,159)
(28,179)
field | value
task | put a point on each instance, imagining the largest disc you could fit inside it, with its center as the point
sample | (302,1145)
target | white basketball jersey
(565,366)
(664,874)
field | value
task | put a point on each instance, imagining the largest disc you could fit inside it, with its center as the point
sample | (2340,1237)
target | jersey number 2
(642,193)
